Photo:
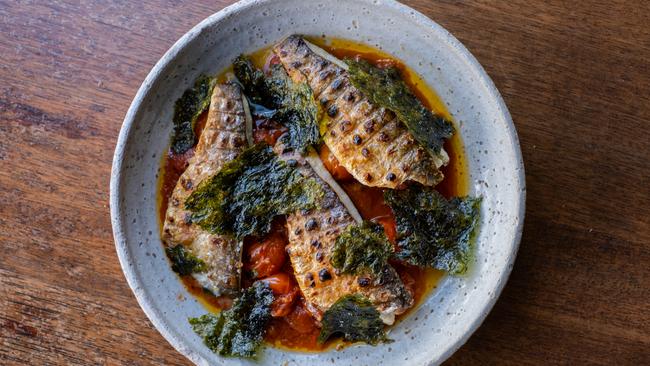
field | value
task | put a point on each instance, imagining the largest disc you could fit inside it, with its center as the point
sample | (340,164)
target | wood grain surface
(574,74)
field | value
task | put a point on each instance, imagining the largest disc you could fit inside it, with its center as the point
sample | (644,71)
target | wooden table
(575,75)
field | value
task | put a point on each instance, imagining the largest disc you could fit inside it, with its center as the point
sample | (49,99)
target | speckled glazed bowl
(459,304)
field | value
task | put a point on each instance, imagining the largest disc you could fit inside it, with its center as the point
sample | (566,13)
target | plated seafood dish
(313,194)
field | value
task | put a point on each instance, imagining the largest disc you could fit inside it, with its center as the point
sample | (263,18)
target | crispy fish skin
(369,141)
(222,139)
(312,234)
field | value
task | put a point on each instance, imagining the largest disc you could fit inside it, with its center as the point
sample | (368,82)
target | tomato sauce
(264,259)
(297,331)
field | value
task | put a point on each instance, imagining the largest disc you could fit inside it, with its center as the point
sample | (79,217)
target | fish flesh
(222,139)
(312,235)
(368,140)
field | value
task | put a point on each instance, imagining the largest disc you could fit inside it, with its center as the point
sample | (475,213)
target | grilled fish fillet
(312,234)
(222,139)
(369,141)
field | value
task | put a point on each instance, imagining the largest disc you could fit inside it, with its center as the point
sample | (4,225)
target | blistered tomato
(301,320)
(285,291)
(268,256)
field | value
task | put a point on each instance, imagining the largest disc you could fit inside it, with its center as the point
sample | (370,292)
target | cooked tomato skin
(283,304)
(280,283)
(285,291)
(301,320)
(297,330)
(268,256)
(332,165)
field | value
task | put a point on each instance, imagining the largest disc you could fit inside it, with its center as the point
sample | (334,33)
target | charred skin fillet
(312,234)
(222,139)
(369,141)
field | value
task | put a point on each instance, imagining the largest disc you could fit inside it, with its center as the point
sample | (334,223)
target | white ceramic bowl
(459,305)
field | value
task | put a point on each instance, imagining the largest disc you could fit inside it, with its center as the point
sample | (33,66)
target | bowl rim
(145,88)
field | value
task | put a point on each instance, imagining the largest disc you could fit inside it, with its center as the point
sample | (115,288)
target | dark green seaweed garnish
(249,191)
(238,331)
(292,104)
(432,231)
(184,262)
(362,248)
(187,110)
(386,88)
(355,319)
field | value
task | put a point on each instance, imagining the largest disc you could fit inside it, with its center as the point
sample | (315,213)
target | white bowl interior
(443,323)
